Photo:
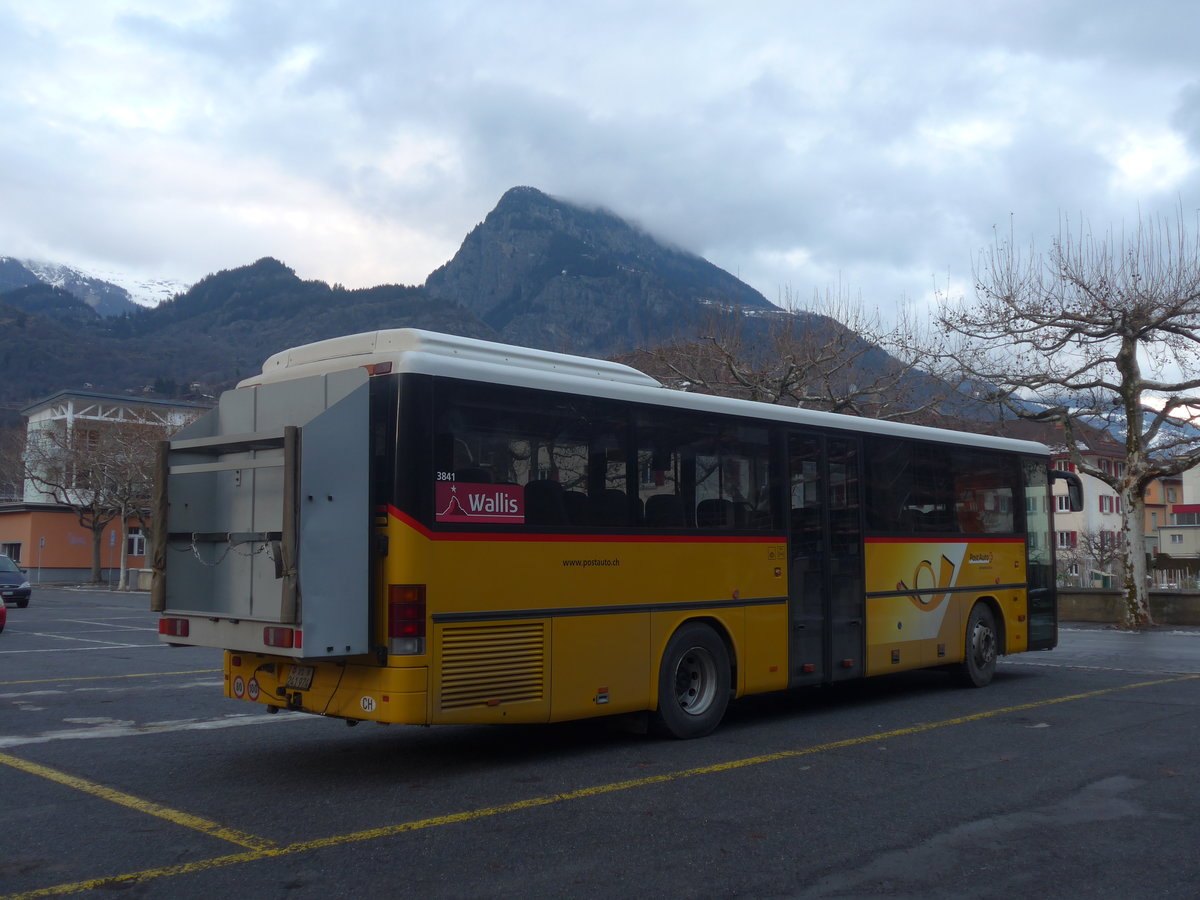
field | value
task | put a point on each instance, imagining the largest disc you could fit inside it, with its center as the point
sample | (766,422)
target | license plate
(300,678)
(7,594)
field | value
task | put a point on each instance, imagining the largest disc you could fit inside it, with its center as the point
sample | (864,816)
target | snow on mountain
(108,291)
(142,290)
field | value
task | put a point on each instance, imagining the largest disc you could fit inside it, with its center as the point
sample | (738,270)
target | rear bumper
(349,690)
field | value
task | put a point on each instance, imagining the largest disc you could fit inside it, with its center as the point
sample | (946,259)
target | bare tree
(1101,329)
(129,467)
(1094,551)
(68,467)
(833,355)
(103,471)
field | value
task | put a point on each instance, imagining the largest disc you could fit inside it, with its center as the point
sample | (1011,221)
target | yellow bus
(408,527)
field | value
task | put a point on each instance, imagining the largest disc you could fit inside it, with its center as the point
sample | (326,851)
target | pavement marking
(120,728)
(110,677)
(271,852)
(187,820)
(109,646)
(111,624)
(82,640)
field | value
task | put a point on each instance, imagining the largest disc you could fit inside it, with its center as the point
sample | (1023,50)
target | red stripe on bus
(979,539)
(589,538)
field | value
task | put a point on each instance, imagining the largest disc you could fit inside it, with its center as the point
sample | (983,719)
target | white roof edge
(436,352)
(430,353)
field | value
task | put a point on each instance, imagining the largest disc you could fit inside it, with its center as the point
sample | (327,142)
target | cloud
(873,145)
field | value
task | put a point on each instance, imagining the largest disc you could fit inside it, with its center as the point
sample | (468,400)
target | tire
(21,604)
(981,647)
(693,683)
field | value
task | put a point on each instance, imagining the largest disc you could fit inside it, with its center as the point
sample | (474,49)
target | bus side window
(985,488)
(887,490)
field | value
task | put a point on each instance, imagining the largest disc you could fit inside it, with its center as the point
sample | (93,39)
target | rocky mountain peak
(545,272)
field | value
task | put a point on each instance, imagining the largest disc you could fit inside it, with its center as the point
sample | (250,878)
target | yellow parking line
(270,852)
(136,803)
(111,677)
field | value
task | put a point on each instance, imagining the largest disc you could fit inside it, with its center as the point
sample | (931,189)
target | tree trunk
(123,583)
(97,544)
(1135,607)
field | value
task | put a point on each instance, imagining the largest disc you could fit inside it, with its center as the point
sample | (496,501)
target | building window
(1177,539)
(1066,539)
(135,543)
(1170,495)
(1106,503)
(1062,502)
(12,551)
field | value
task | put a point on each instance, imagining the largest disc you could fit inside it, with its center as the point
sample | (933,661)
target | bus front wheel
(693,683)
(979,664)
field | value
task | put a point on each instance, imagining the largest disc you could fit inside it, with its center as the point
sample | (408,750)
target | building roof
(123,399)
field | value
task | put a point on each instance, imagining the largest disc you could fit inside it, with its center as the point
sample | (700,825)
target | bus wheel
(693,683)
(981,648)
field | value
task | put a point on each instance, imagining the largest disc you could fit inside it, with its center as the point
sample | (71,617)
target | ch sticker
(925,582)
(367,704)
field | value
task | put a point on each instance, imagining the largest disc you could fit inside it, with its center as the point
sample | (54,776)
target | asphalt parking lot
(122,767)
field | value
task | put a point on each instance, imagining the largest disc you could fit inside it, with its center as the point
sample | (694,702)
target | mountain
(546,273)
(538,271)
(104,297)
(53,302)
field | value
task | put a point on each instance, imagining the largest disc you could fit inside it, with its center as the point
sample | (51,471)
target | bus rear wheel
(693,683)
(982,647)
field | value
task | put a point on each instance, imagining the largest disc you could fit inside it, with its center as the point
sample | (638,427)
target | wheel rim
(696,681)
(983,645)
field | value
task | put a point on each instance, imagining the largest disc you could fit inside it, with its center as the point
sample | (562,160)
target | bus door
(825,590)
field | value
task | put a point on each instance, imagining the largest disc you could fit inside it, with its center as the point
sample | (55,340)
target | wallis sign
(493,504)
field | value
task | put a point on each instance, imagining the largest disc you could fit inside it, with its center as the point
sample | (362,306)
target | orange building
(48,541)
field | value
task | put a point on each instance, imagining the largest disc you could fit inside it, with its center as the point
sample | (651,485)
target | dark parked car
(14,583)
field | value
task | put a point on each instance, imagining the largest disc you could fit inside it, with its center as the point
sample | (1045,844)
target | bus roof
(412,350)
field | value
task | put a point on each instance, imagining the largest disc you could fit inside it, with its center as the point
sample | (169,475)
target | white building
(82,416)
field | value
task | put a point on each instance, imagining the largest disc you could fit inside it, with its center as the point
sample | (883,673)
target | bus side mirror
(1074,488)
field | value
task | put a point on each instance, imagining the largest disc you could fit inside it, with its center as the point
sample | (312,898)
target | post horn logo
(925,583)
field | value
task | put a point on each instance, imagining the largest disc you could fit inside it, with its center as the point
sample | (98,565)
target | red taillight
(380,368)
(279,637)
(406,618)
(173,627)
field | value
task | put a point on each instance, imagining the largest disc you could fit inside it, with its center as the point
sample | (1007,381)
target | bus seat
(579,511)
(610,507)
(664,510)
(714,513)
(544,503)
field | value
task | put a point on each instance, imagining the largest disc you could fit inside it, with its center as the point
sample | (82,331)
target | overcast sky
(799,145)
